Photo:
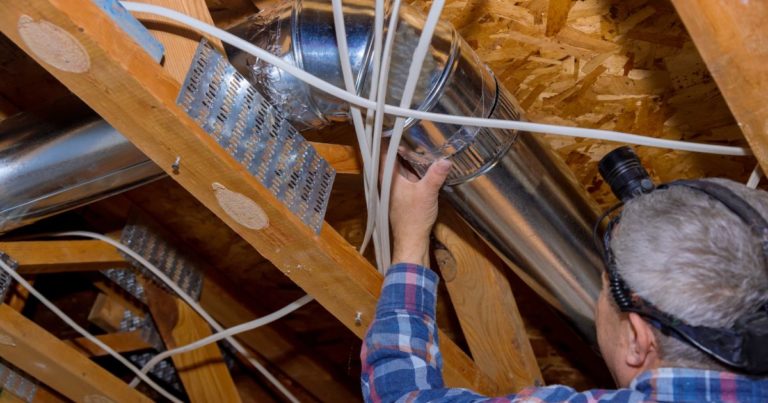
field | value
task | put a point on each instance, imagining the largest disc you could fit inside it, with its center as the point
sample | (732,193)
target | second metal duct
(61,157)
(507,185)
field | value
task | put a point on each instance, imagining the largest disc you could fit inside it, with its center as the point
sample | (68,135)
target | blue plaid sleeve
(401,359)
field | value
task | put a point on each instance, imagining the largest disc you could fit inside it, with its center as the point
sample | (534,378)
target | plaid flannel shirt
(402,362)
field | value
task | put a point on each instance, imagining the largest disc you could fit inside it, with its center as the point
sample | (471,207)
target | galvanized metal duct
(507,185)
(60,158)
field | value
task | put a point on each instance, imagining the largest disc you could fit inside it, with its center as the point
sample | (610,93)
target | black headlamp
(743,346)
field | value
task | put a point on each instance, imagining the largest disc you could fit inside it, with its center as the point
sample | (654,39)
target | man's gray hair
(689,255)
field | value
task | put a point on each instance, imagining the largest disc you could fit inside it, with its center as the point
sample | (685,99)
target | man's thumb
(436,174)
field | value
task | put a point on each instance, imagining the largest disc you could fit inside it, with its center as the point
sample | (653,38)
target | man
(682,251)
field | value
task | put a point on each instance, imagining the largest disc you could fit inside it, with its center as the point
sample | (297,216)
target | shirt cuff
(409,287)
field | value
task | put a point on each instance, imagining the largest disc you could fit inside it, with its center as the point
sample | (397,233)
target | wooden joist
(37,257)
(18,296)
(122,342)
(53,362)
(107,313)
(485,305)
(731,38)
(202,371)
(116,78)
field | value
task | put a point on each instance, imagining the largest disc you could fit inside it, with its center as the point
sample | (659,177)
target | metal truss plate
(16,382)
(184,271)
(257,135)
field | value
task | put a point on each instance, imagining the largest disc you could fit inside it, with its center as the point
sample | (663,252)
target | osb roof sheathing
(628,66)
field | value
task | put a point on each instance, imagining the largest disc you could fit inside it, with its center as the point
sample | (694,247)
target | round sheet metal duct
(62,157)
(507,185)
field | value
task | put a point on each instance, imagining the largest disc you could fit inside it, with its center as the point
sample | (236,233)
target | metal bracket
(257,135)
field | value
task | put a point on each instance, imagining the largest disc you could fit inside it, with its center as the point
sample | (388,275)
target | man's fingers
(436,174)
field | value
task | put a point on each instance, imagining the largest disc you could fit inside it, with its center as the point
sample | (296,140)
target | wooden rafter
(117,79)
(731,38)
(485,305)
(202,371)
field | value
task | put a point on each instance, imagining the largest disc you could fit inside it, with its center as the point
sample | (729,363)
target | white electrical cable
(381,95)
(370,122)
(244,327)
(370,175)
(186,298)
(754,177)
(93,339)
(414,72)
(435,117)
(378,43)
(346,72)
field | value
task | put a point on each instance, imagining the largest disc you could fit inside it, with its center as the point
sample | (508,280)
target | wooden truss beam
(85,50)
(485,305)
(731,37)
(53,362)
(107,313)
(18,295)
(37,257)
(122,342)
(202,371)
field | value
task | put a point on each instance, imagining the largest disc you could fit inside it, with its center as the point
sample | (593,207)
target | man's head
(691,257)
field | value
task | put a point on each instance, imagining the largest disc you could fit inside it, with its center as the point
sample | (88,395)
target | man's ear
(641,342)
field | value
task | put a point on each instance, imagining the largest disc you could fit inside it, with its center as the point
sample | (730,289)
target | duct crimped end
(481,152)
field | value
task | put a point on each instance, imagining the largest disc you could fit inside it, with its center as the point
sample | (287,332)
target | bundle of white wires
(369,131)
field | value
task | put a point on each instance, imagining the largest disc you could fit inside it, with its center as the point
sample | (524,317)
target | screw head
(176,165)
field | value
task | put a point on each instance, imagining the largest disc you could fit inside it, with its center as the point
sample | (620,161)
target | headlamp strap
(744,345)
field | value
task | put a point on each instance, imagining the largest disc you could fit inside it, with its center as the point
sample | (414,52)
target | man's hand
(413,211)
